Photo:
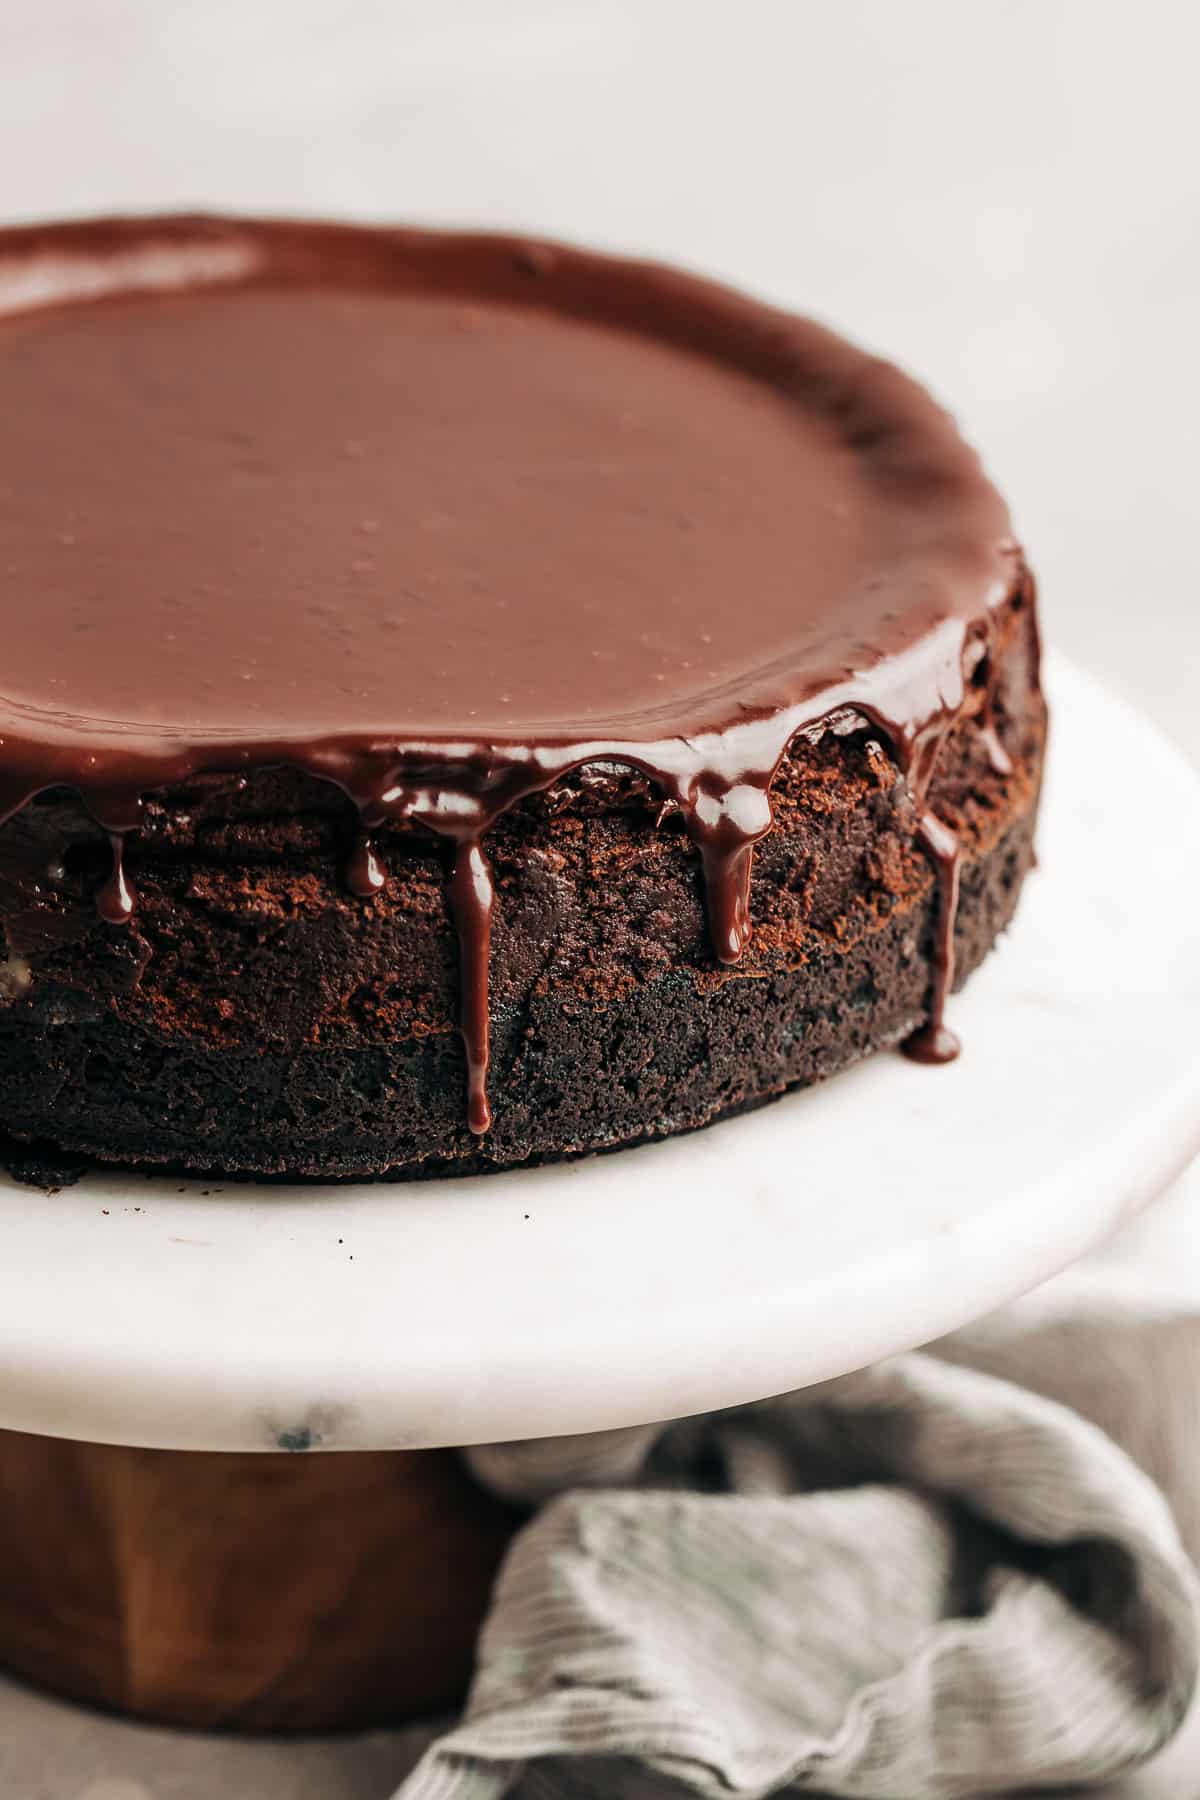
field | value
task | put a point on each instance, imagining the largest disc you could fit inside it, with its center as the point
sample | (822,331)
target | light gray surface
(1003,197)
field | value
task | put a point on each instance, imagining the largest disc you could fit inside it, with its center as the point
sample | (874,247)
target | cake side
(254,1018)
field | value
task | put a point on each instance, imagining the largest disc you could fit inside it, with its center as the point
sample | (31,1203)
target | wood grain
(260,1592)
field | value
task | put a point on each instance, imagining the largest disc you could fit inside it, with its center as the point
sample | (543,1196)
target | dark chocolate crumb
(41,1165)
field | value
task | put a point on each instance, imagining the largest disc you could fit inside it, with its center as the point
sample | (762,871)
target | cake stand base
(249,1592)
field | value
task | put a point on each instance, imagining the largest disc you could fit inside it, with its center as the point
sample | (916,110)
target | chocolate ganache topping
(440,518)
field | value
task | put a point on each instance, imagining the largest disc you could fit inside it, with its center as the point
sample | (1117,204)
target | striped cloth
(946,1575)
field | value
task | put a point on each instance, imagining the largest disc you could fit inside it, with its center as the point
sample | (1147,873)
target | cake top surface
(271,489)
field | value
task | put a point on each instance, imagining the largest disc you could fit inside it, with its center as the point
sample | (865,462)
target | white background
(1002,194)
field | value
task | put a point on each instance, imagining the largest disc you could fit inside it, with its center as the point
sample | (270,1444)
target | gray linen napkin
(945,1575)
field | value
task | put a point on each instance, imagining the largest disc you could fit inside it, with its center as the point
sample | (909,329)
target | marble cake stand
(834,1227)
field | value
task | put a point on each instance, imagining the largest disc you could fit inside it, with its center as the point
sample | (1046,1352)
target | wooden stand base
(257,1592)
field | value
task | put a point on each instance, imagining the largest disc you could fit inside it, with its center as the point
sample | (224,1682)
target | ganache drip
(364,874)
(115,898)
(933,1042)
(471,899)
(726,827)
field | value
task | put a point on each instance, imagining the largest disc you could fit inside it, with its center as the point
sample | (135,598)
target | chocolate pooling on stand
(441,519)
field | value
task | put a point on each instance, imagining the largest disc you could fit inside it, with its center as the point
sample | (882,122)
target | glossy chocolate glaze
(440,518)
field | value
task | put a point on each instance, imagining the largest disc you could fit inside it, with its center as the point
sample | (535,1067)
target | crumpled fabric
(958,1572)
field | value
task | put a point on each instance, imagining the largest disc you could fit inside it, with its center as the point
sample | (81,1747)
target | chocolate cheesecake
(467,701)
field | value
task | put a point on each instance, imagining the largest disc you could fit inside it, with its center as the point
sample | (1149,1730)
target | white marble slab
(830,1228)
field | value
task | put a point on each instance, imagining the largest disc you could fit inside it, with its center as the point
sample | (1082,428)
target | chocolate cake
(466,701)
